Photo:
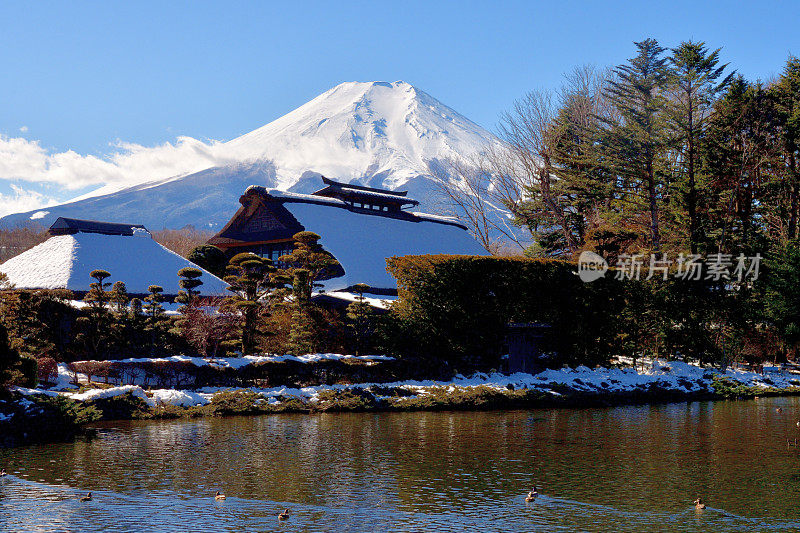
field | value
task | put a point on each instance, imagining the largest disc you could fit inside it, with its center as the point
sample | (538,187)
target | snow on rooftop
(64,262)
(363,242)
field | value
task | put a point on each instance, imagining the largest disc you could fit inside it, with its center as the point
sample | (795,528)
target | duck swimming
(219,496)
(698,504)
(284,515)
(87,498)
(531,495)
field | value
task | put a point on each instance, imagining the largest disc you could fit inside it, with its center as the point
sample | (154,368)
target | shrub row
(184,374)
(458,308)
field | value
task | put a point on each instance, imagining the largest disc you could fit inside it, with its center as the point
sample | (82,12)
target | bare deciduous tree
(515,183)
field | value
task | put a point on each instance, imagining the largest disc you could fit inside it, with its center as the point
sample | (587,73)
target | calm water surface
(620,469)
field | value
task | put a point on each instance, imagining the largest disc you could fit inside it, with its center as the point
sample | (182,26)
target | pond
(634,468)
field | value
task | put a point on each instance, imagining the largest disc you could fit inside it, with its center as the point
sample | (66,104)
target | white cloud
(23,200)
(24,129)
(130,164)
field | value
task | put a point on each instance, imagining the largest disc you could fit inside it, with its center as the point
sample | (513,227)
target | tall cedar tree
(250,280)
(587,184)
(786,95)
(635,145)
(744,203)
(694,86)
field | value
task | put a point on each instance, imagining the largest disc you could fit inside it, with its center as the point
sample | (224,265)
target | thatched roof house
(360,226)
(127,251)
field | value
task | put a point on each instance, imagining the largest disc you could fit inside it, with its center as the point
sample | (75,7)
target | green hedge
(457,307)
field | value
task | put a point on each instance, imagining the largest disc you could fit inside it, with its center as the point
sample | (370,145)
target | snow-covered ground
(670,376)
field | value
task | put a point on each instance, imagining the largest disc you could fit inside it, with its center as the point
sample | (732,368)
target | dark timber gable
(262,226)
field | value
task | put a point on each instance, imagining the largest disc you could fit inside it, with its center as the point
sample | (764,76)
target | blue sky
(83,76)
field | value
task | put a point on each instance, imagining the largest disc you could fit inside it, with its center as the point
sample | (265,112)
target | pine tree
(249,279)
(360,315)
(635,145)
(302,337)
(309,256)
(694,85)
(119,297)
(95,324)
(98,297)
(585,185)
(304,267)
(210,258)
(154,312)
(189,282)
(738,150)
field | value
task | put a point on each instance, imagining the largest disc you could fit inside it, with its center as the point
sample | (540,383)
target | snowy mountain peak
(381,134)
(360,130)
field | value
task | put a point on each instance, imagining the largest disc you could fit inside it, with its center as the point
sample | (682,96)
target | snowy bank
(673,377)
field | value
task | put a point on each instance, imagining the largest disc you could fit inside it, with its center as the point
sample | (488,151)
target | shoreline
(39,415)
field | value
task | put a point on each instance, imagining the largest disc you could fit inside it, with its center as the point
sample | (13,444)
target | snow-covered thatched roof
(64,262)
(363,242)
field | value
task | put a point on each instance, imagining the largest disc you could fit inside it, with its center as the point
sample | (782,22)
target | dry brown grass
(15,241)
(181,241)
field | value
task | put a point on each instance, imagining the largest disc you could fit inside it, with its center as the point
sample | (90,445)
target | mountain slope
(380,134)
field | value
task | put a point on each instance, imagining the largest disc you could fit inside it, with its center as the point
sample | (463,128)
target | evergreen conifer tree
(249,279)
(786,95)
(360,315)
(210,258)
(95,324)
(695,81)
(154,311)
(309,256)
(98,297)
(635,145)
(304,267)
(302,336)
(119,297)
(189,282)
(9,357)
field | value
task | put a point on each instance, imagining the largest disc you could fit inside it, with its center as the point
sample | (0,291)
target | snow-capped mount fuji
(379,134)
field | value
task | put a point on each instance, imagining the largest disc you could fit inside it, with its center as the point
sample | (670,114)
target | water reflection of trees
(733,454)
